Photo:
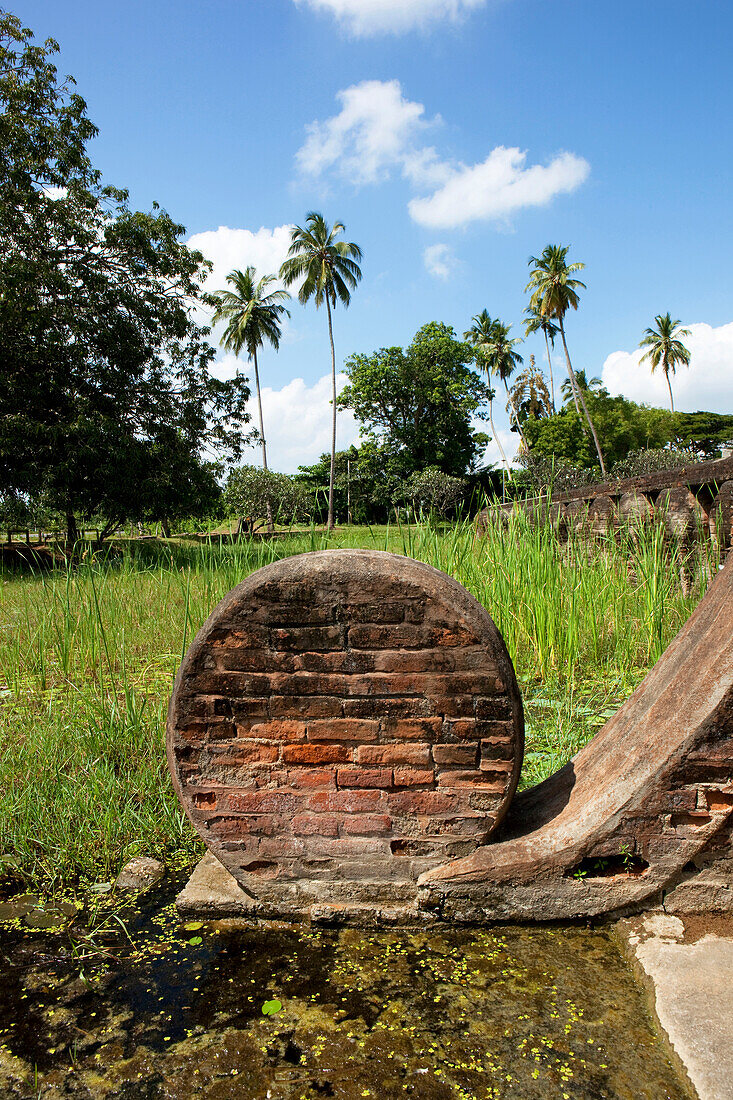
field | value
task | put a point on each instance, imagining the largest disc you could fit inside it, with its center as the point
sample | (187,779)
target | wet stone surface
(170,1010)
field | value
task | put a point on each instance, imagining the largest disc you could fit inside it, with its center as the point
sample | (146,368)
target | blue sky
(395,116)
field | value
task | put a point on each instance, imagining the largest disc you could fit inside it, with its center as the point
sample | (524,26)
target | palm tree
(329,271)
(480,336)
(665,347)
(582,383)
(504,360)
(536,322)
(530,391)
(252,316)
(554,293)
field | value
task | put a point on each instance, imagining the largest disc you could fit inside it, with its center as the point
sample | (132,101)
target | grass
(87,659)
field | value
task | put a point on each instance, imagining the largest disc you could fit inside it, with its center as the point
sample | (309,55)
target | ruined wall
(343,722)
(694,502)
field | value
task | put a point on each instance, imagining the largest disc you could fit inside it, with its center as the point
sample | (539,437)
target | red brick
(302,638)
(411,707)
(412,777)
(413,729)
(421,802)
(312,778)
(368,824)
(252,753)
(498,767)
(463,728)
(316,754)
(364,777)
(393,754)
(335,660)
(497,748)
(278,801)
(496,706)
(318,706)
(342,729)
(453,706)
(348,802)
(474,780)
(254,660)
(277,730)
(316,825)
(465,755)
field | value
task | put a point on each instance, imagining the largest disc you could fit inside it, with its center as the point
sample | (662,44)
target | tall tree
(107,402)
(554,292)
(480,336)
(418,404)
(329,271)
(504,361)
(536,322)
(665,347)
(252,317)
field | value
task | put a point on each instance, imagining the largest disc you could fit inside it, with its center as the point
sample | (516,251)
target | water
(175,1011)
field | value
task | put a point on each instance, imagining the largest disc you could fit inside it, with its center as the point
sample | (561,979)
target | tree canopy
(419,404)
(107,404)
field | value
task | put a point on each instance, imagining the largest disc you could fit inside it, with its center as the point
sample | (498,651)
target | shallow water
(175,1011)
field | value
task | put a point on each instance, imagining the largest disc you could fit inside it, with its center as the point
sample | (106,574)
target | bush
(249,489)
(431,490)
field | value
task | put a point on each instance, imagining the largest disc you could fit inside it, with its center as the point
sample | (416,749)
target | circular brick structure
(343,722)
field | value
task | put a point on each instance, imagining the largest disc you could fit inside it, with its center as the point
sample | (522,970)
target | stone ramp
(634,813)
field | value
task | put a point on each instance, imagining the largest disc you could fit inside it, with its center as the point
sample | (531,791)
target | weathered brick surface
(346,715)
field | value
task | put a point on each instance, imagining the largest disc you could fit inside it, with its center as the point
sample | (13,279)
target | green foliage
(252,314)
(431,490)
(106,399)
(665,348)
(249,490)
(418,404)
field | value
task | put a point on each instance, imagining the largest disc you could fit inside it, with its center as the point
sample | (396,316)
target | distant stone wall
(694,502)
(343,722)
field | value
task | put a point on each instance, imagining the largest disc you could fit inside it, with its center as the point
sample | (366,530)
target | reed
(88,655)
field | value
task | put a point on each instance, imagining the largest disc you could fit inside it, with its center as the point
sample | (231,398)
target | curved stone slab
(621,823)
(342,722)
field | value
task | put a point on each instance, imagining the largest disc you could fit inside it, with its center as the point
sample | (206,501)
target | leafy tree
(554,292)
(537,322)
(106,398)
(418,404)
(253,492)
(253,316)
(330,271)
(432,490)
(665,347)
(480,336)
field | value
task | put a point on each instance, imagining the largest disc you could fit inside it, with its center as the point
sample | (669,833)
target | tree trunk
(268,503)
(165,528)
(577,389)
(552,380)
(72,531)
(516,417)
(330,523)
(494,434)
(669,387)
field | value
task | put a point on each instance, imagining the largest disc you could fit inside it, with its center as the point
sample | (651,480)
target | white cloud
(706,384)
(229,248)
(365,17)
(376,131)
(297,419)
(439,260)
(498,187)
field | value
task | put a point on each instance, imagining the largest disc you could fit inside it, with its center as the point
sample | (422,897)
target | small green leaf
(193,925)
(269,1008)
(195,941)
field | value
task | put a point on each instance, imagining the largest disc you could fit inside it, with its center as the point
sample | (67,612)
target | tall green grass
(88,656)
